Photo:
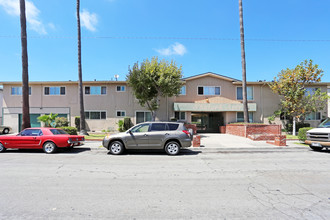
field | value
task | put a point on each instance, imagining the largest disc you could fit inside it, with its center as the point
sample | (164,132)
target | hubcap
(1,147)
(173,148)
(49,147)
(115,148)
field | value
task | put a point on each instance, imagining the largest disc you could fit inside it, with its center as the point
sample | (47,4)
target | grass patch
(301,144)
(291,137)
(95,136)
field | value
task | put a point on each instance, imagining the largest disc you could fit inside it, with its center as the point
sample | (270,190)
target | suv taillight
(186,132)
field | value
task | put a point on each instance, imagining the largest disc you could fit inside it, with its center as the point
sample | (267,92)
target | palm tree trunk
(25,73)
(81,94)
(245,104)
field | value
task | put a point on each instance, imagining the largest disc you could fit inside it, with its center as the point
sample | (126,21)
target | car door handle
(145,135)
(167,134)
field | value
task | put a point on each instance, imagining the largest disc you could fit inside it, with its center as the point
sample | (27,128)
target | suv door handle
(167,134)
(145,135)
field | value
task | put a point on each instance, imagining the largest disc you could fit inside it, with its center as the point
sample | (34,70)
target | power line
(169,38)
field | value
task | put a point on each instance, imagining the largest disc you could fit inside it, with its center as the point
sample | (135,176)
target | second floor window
(183,90)
(95,90)
(239,93)
(209,90)
(311,91)
(55,90)
(121,88)
(18,90)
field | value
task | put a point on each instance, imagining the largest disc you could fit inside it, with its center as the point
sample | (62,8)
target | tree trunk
(25,73)
(294,126)
(245,104)
(81,94)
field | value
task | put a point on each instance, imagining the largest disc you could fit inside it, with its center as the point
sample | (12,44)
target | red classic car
(48,139)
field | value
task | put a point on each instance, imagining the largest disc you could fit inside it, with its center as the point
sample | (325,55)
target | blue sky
(201,35)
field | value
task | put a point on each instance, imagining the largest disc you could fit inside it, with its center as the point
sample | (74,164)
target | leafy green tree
(49,120)
(154,79)
(296,101)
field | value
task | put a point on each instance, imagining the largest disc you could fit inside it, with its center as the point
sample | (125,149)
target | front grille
(318,137)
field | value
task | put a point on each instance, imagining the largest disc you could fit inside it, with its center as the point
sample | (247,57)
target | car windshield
(325,124)
(58,131)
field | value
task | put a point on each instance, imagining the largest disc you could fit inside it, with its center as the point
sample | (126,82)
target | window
(58,131)
(172,126)
(142,117)
(239,93)
(141,128)
(313,116)
(95,115)
(240,117)
(180,115)
(311,91)
(209,90)
(18,90)
(183,90)
(95,90)
(121,88)
(120,113)
(56,90)
(31,132)
(158,127)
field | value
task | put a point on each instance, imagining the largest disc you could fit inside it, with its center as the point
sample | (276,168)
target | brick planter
(254,131)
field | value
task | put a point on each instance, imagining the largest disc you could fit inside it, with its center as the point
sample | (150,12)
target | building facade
(208,100)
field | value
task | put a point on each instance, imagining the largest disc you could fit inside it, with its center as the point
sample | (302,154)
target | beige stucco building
(208,100)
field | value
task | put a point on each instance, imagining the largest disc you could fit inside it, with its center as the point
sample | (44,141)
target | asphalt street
(260,182)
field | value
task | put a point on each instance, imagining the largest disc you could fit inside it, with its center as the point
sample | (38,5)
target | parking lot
(217,181)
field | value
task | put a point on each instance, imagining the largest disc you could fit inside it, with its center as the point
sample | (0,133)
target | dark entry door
(207,122)
(33,120)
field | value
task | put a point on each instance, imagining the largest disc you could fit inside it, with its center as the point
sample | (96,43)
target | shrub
(77,122)
(70,130)
(127,123)
(120,125)
(61,122)
(302,133)
(299,125)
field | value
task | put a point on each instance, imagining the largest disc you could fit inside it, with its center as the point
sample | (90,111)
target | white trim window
(240,117)
(96,115)
(141,116)
(183,90)
(180,115)
(95,90)
(314,116)
(120,88)
(209,90)
(54,90)
(120,113)
(239,92)
(18,90)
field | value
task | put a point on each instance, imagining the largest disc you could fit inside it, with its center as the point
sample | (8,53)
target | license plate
(316,144)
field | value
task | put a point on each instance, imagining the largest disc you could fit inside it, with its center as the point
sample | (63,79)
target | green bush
(121,125)
(299,125)
(127,123)
(61,122)
(302,133)
(77,122)
(70,130)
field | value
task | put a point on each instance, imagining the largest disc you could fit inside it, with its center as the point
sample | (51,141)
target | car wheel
(172,148)
(116,148)
(2,148)
(316,148)
(5,131)
(49,147)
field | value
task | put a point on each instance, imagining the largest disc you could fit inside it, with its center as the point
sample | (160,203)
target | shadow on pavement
(59,151)
(183,152)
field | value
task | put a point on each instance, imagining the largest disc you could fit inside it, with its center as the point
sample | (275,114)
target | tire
(2,148)
(5,131)
(49,147)
(172,148)
(116,148)
(316,148)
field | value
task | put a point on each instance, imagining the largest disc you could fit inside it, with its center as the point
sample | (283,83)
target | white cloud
(88,20)
(174,49)
(32,14)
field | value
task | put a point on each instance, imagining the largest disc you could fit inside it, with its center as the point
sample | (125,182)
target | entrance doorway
(207,122)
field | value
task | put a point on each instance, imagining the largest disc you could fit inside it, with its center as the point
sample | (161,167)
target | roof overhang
(213,107)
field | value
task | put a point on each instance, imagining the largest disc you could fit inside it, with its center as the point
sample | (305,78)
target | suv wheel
(172,148)
(116,148)
(316,148)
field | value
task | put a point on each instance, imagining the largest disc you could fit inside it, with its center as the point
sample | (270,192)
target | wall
(245,130)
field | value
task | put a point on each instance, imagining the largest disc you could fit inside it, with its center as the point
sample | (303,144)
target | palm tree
(245,104)
(81,95)
(25,73)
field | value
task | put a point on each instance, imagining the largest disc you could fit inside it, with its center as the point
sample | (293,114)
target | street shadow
(324,151)
(40,151)
(183,152)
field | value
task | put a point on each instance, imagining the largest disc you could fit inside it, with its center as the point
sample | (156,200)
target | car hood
(319,130)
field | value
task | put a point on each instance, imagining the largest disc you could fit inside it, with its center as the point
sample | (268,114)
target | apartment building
(208,100)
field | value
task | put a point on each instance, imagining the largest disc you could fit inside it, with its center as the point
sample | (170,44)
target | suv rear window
(158,127)
(172,126)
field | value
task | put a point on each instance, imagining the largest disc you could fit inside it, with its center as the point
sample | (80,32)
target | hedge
(70,130)
(302,133)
